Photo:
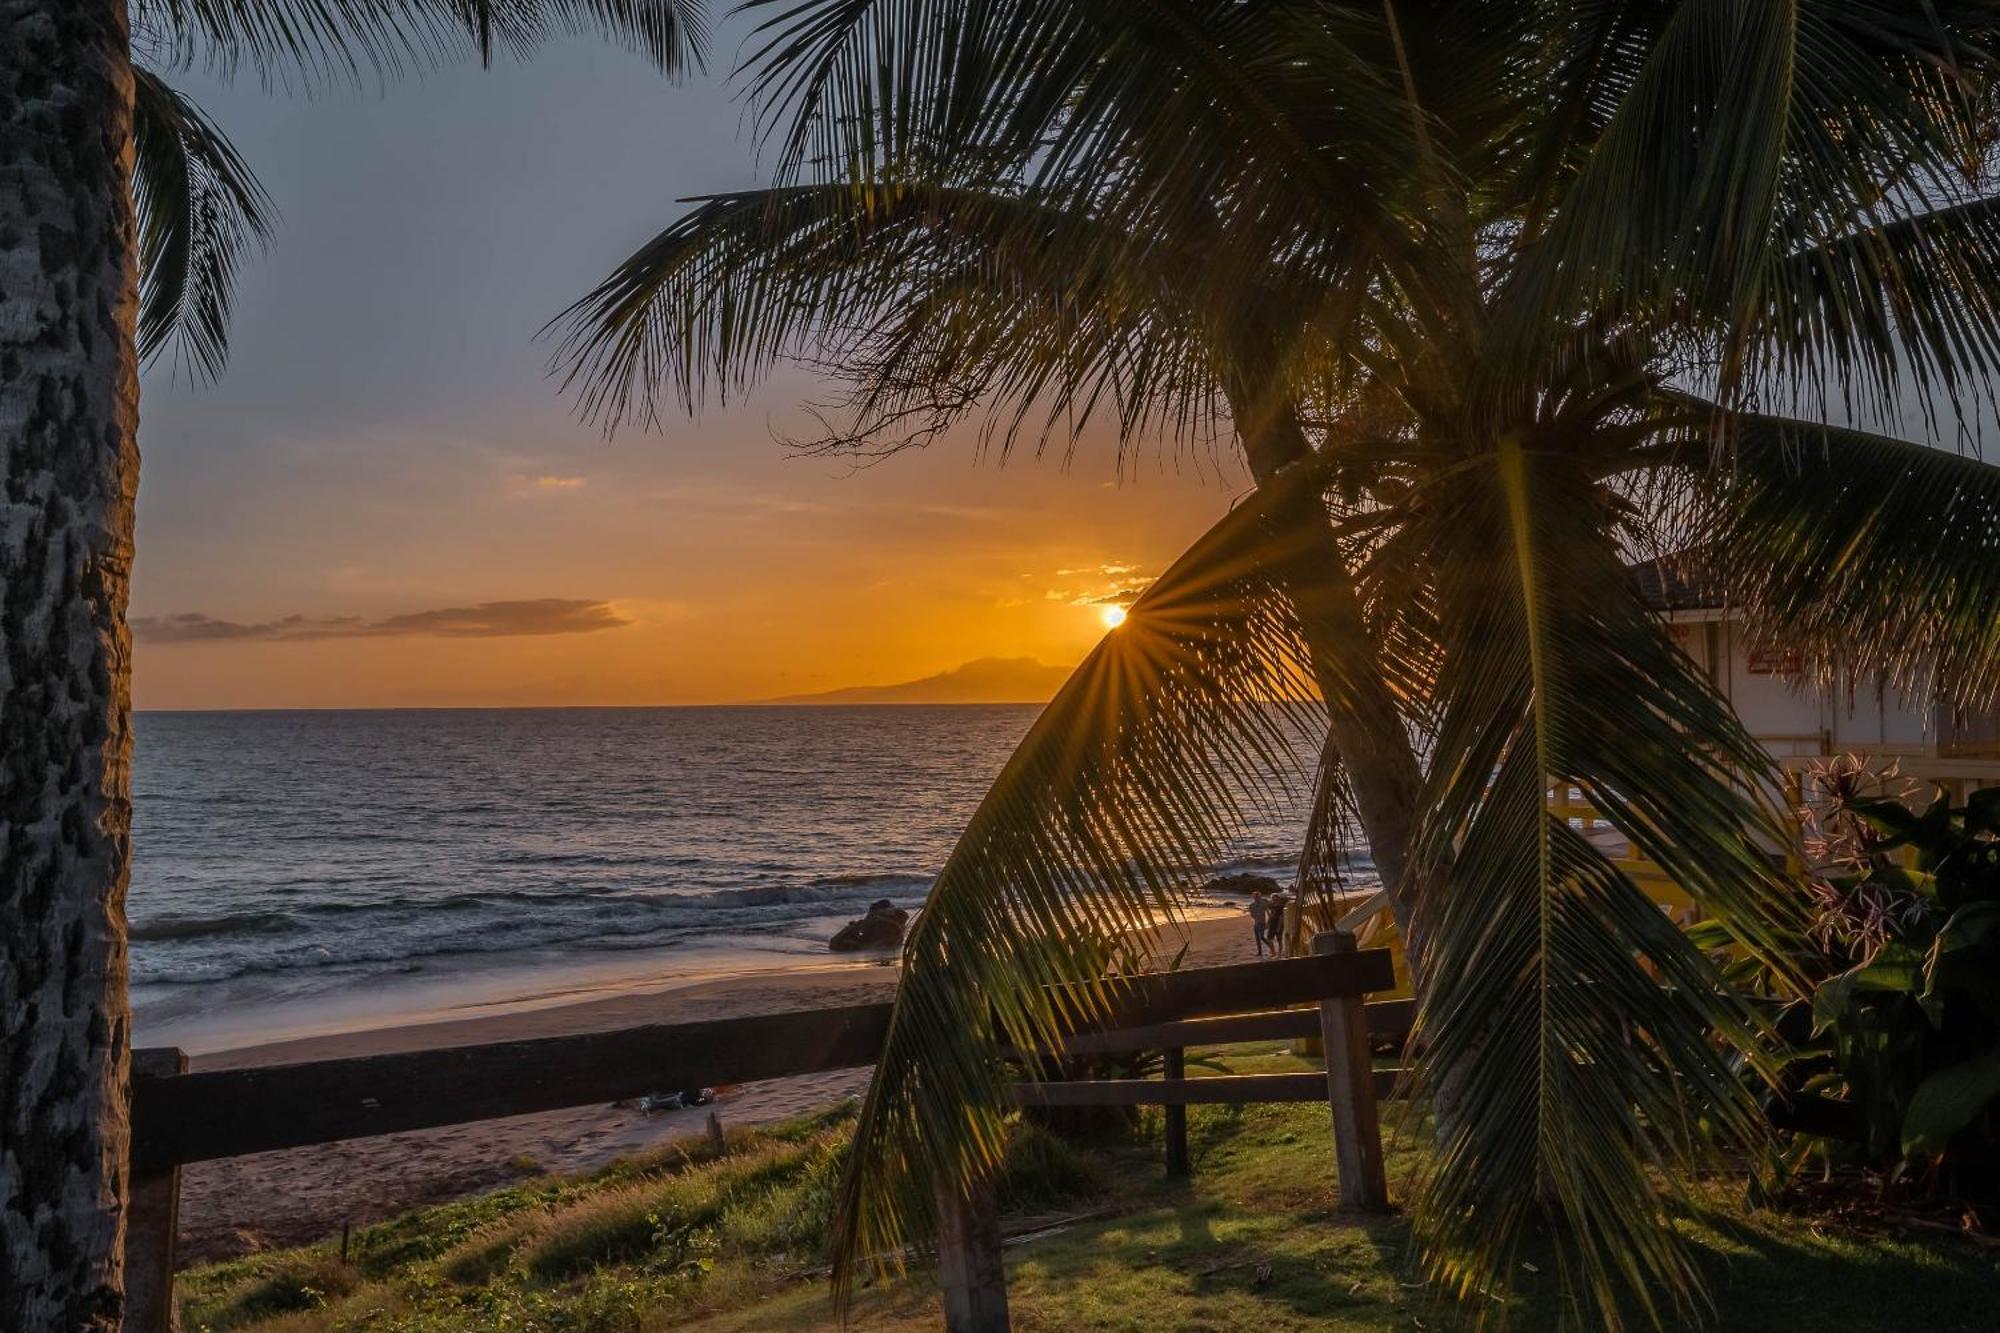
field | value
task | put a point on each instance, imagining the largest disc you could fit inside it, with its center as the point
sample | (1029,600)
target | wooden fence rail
(1216,1090)
(180,1117)
(228,1113)
(1387,1019)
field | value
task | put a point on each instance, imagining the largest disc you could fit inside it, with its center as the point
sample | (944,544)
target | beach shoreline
(242,1204)
(471,991)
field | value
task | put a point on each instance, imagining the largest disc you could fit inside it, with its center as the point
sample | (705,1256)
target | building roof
(1678,582)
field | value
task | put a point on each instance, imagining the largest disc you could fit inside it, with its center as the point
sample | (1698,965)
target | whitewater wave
(500,921)
(391,927)
(205,927)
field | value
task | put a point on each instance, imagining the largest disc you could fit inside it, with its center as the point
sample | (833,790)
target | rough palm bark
(69,469)
(1367,726)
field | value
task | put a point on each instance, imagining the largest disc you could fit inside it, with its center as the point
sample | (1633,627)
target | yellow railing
(1567,803)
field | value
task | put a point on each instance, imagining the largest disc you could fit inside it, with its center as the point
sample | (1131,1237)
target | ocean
(301,872)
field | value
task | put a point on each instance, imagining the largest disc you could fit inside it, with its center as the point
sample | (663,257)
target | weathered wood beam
(152,1219)
(1209,992)
(1174,1069)
(971,1269)
(1350,1089)
(1386,1019)
(228,1113)
(1222,1089)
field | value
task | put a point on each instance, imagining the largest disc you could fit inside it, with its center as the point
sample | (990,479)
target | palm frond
(900,287)
(1865,553)
(1916,296)
(332,41)
(1323,856)
(1102,821)
(201,214)
(1574,1038)
(1596,51)
(1748,133)
(745,280)
(1277,120)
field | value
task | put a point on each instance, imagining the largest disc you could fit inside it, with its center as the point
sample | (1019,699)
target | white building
(1799,724)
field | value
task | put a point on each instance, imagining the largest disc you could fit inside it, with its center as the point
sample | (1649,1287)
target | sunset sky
(386,502)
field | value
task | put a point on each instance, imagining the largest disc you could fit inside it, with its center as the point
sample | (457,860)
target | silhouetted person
(1260,916)
(1274,929)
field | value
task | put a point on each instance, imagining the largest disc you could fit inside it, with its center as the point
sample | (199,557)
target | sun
(1113,616)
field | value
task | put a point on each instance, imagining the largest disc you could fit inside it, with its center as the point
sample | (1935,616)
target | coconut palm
(1520,273)
(124,217)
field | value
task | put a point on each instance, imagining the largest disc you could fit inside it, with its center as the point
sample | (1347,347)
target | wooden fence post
(971,1270)
(716,1138)
(1350,1090)
(1175,1066)
(152,1221)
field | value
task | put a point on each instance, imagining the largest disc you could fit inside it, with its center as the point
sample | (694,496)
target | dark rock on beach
(1241,885)
(882,928)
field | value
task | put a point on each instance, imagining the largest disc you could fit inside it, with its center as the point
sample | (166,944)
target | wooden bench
(180,1117)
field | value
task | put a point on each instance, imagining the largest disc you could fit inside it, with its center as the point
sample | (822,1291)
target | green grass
(686,1240)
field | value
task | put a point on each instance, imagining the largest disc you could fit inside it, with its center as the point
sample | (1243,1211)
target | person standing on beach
(1274,926)
(1260,913)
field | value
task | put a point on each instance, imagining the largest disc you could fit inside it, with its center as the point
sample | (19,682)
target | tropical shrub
(1906,1019)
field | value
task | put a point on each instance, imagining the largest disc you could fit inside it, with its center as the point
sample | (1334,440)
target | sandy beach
(280,1198)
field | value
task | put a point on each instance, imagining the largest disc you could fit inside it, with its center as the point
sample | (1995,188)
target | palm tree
(123,217)
(1522,272)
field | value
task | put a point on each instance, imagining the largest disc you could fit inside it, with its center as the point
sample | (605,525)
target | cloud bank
(488,620)
(1122,583)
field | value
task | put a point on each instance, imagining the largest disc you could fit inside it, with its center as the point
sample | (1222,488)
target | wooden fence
(180,1117)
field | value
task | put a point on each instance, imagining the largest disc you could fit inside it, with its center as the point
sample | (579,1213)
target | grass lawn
(1254,1241)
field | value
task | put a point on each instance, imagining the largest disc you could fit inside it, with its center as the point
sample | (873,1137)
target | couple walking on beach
(1274,918)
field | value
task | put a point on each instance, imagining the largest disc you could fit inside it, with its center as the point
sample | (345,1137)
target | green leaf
(1709,935)
(1948,1101)
(933,298)
(1963,960)
(1969,927)
(1904,880)
(1982,811)
(1886,815)
(1896,968)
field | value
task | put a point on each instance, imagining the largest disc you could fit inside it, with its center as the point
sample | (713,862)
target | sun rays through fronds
(1103,821)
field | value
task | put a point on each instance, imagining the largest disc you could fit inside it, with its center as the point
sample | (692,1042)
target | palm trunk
(1366,725)
(69,471)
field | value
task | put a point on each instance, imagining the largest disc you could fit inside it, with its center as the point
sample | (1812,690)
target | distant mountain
(989,680)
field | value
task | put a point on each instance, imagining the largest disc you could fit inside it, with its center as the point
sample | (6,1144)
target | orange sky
(707,566)
(385,491)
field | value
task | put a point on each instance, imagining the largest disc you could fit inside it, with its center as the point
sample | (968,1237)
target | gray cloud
(1122,592)
(488,620)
